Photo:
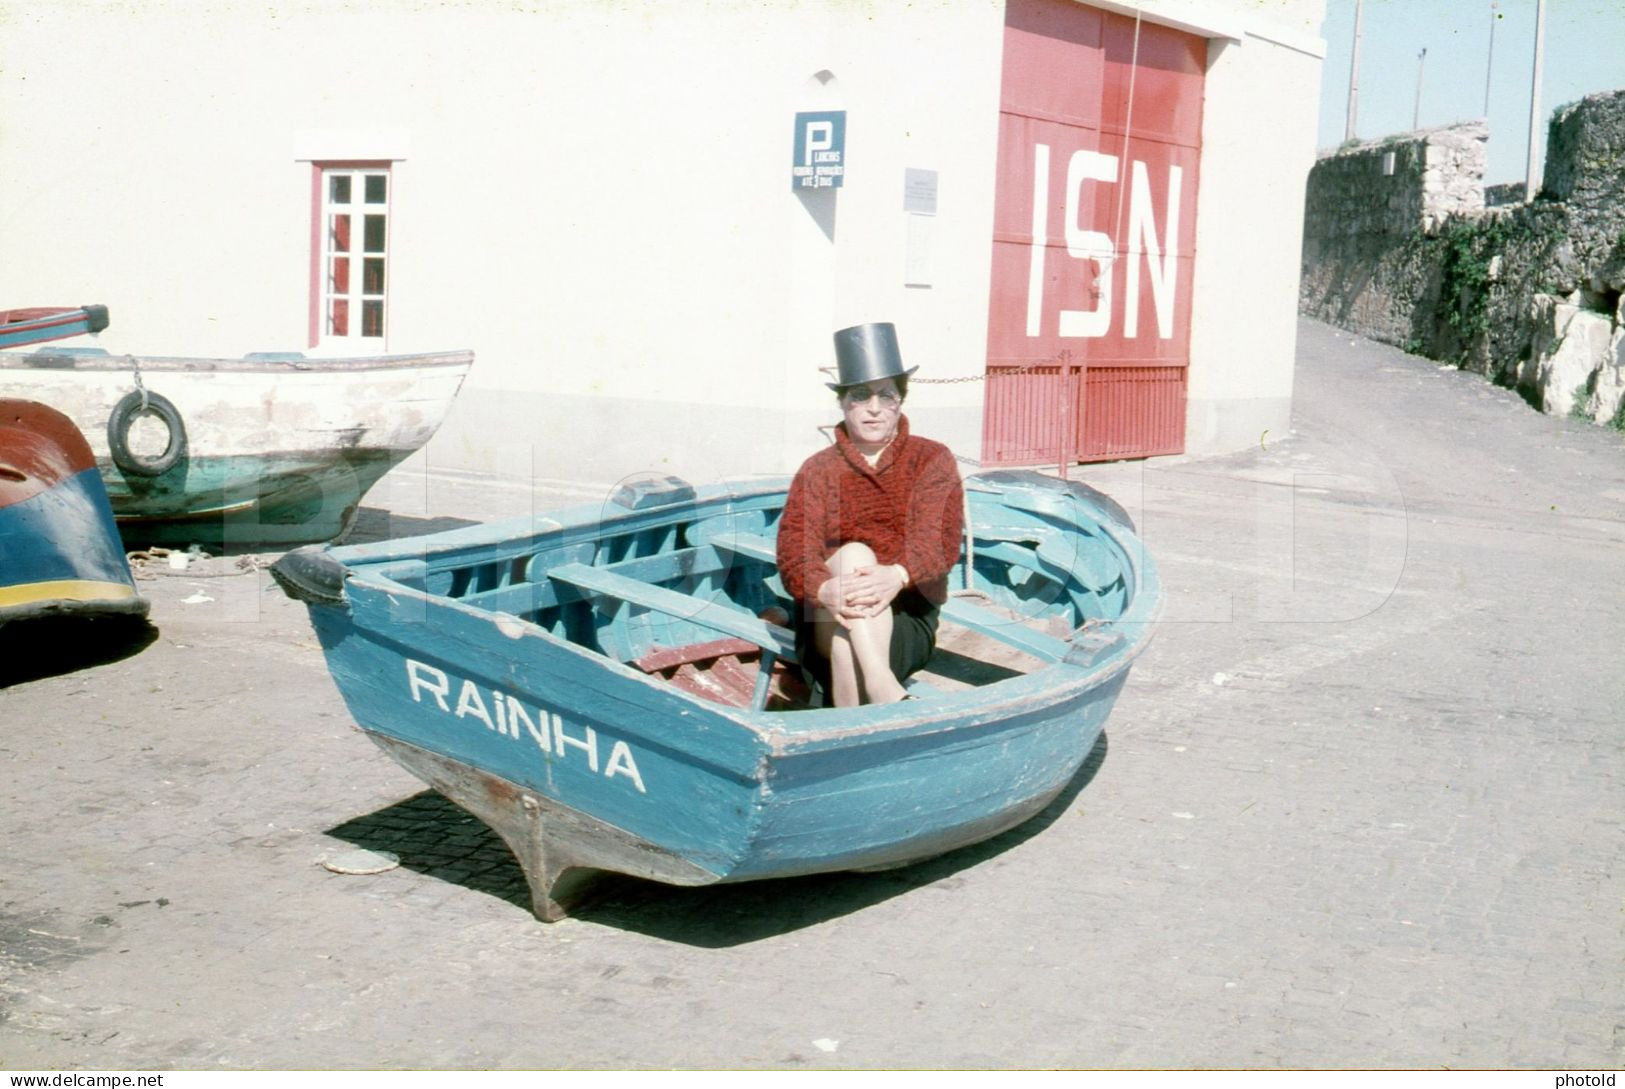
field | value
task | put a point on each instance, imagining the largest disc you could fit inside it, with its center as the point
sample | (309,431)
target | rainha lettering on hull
(505,715)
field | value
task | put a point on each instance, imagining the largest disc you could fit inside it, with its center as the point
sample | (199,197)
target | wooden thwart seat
(716,615)
(1006,630)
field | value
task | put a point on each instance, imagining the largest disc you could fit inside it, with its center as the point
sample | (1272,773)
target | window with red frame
(351,283)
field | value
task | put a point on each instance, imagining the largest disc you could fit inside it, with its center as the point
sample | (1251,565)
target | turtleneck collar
(854,456)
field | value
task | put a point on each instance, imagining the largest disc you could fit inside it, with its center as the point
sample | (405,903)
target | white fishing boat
(271,448)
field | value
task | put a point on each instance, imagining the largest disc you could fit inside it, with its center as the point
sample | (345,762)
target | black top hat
(868,353)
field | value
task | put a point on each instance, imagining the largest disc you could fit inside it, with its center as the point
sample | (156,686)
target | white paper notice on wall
(917,266)
(920,191)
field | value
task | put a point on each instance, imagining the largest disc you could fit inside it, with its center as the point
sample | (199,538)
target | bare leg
(845,689)
(860,655)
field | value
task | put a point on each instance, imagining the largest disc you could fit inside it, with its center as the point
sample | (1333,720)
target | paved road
(1359,805)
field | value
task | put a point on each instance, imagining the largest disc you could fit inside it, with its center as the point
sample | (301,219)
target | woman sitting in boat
(870,530)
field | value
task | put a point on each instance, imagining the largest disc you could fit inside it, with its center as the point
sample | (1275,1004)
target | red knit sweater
(908,508)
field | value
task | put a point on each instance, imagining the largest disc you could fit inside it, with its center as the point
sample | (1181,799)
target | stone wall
(1367,204)
(1400,246)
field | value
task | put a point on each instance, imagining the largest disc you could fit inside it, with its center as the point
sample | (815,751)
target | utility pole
(1416,110)
(1529,181)
(1354,77)
(1489,60)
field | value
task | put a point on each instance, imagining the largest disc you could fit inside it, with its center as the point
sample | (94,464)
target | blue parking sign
(820,158)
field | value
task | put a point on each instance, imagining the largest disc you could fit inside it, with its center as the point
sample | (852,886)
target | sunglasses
(861,395)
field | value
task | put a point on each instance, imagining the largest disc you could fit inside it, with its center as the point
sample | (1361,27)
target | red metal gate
(1094,231)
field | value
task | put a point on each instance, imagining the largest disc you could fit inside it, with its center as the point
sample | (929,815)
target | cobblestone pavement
(1359,805)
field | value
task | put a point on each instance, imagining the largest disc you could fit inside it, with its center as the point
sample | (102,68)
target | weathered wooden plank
(662,658)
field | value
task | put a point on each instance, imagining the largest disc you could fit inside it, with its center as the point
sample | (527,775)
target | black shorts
(913,638)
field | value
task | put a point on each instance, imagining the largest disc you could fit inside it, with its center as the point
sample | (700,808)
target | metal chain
(1003,372)
(140,386)
(1065,357)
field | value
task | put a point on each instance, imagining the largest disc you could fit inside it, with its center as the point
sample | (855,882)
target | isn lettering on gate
(503,714)
(1087,166)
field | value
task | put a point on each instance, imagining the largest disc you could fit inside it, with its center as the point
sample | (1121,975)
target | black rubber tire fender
(118,433)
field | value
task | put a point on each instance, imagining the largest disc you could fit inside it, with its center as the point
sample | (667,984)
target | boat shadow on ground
(432,836)
(50,646)
(373,524)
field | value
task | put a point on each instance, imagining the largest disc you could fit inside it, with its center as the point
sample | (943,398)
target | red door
(1093,238)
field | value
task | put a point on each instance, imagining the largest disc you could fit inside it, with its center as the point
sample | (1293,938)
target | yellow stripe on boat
(30,593)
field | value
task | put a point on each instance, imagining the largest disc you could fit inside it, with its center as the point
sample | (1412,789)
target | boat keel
(561,850)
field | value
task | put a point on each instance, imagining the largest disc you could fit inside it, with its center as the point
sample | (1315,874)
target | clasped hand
(862,593)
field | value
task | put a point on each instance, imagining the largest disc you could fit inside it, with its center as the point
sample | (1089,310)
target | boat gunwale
(783,733)
(122,605)
(60,359)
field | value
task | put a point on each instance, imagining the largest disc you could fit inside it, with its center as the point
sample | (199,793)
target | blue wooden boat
(59,551)
(608,687)
(36,324)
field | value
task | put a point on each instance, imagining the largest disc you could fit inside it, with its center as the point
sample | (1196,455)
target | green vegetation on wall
(1468,248)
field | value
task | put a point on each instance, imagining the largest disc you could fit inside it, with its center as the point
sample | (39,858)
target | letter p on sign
(819,136)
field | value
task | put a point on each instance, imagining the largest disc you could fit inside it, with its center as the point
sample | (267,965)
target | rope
(970,537)
(1128,129)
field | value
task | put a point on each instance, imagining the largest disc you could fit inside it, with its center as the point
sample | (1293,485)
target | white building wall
(1258,136)
(596,198)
